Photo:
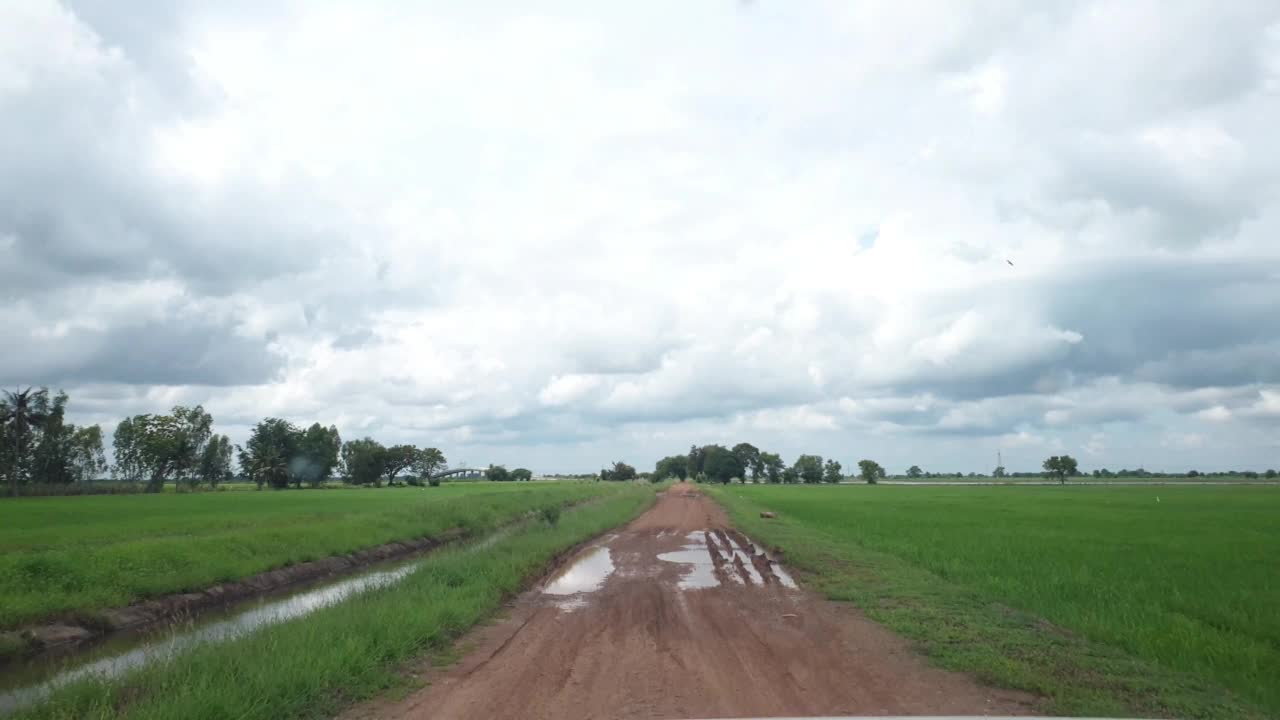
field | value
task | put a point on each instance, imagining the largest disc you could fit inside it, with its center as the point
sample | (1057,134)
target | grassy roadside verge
(85,554)
(314,666)
(945,569)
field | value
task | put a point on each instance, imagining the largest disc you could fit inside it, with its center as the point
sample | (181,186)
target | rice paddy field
(1155,602)
(318,665)
(83,554)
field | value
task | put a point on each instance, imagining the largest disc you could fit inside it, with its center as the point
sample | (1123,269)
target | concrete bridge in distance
(462,472)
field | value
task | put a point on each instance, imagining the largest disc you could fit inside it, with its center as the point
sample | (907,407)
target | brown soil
(641,646)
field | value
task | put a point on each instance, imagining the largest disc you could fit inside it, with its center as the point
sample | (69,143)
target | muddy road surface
(679,616)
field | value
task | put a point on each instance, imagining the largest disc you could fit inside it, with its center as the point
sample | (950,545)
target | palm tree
(19,413)
(272,466)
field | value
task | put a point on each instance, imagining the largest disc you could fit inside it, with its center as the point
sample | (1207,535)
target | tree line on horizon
(39,448)
(716,463)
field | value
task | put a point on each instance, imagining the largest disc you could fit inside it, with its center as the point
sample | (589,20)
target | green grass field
(83,554)
(1089,480)
(1106,600)
(314,666)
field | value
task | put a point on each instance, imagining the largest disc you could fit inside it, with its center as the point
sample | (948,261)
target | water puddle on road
(738,563)
(746,552)
(701,570)
(783,576)
(584,575)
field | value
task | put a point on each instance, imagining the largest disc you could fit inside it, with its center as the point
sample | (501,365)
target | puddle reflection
(586,574)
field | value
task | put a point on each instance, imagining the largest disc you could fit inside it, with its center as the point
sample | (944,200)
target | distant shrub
(433,481)
(551,513)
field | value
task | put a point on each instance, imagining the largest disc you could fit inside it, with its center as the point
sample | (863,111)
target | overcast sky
(915,232)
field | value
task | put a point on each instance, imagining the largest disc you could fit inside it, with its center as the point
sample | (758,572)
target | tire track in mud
(679,615)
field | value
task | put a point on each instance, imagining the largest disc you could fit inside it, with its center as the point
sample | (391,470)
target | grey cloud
(76,213)
(80,201)
(1181,322)
(1178,323)
(1186,210)
(1159,318)
(353,339)
(1247,364)
(609,357)
(1030,375)
(532,429)
(152,36)
(174,351)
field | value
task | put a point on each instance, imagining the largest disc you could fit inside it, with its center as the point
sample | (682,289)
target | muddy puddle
(714,559)
(585,574)
(700,571)
(26,683)
(764,567)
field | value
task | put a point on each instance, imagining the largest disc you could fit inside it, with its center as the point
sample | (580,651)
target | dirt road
(679,616)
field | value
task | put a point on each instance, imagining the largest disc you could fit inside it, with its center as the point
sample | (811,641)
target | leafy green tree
(721,465)
(214,467)
(748,456)
(999,472)
(790,476)
(914,472)
(831,472)
(870,471)
(497,473)
(672,466)
(316,455)
(620,472)
(1271,474)
(50,442)
(429,463)
(809,469)
(62,453)
(88,461)
(1060,467)
(772,467)
(195,427)
(399,458)
(158,448)
(274,454)
(128,451)
(522,474)
(365,461)
(269,465)
(697,456)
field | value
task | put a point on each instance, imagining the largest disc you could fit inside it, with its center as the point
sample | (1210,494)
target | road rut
(679,616)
